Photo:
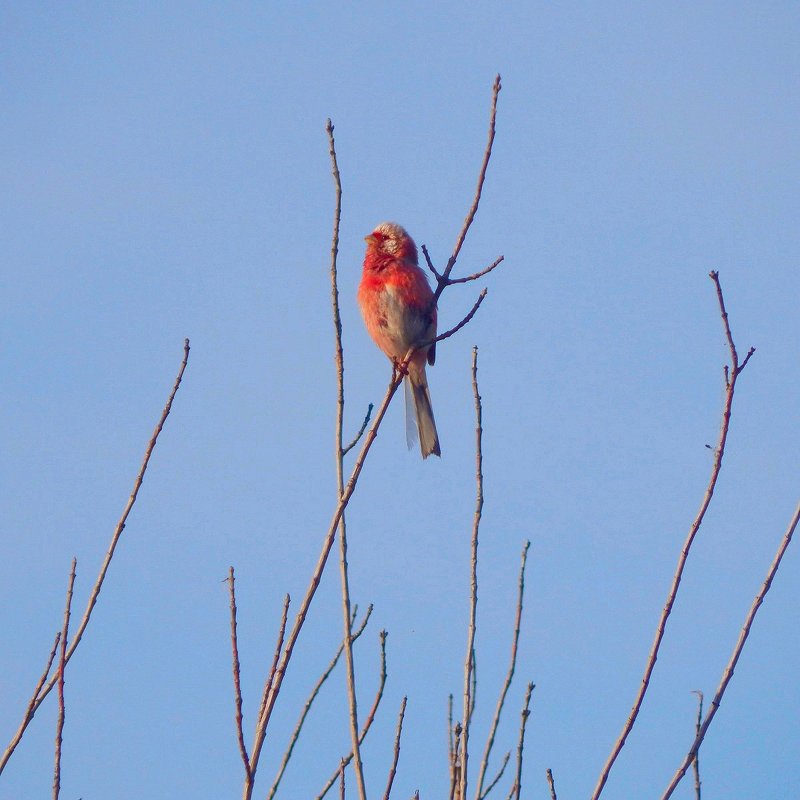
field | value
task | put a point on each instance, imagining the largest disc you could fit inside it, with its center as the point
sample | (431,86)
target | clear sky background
(165,174)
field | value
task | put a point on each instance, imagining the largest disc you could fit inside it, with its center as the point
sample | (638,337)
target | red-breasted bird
(397,305)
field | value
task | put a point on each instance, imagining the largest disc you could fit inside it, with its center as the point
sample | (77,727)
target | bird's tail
(418,404)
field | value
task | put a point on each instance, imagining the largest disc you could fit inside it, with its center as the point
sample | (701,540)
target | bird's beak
(369,239)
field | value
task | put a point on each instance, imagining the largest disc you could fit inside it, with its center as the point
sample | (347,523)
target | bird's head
(390,241)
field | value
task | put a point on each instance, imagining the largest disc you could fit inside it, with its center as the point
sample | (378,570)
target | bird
(399,312)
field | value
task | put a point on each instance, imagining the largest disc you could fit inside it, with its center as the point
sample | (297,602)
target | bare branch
(473,597)
(735,366)
(448,334)
(497,777)
(695,527)
(76,639)
(360,433)
(551,783)
(509,675)
(521,746)
(313,696)
(61,666)
(340,451)
(436,273)
(442,282)
(276,655)
(393,770)
(29,711)
(734,659)
(476,275)
(450,745)
(317,574)
(261,726)
(341,780)
(696,761)
(370,717)
(237,685)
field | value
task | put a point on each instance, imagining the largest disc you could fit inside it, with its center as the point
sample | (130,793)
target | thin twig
(476,275)
(521,745)
(552,784)
(509,675)
(341,780)
(76,639)
(29,711)
(339,356)
(497,777)
(436,273)
(317,574)
(450,745)
(62,664)
(370,717)
(313,696)
(734,659)
(393,770)
(473,595)
(456,328)
(735,371)
(276,655)
(474,690)
(696,760)
(456,777)
(360,433)
(443,281)
(237,685)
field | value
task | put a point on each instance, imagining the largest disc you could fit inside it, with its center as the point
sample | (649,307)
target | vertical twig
(95,593)
(275,656)
(509,675)
(696,761)
(341,780)
(450,745)
(261,726)
(307,707)
(552,784)
(60,675)
(443,280)
(468,698)
(370,717)
(730,385)
(521,745)
(393,770)
(456,777)
(734,659)
(237,685)
(339,356)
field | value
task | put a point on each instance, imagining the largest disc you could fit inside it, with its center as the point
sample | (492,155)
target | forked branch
(309,702)
(734,659)
(479,793)
(44,688)
(731,378)
(370,717)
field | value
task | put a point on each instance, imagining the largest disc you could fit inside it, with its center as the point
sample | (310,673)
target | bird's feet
(399,367)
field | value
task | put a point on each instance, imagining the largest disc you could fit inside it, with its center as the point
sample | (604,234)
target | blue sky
(165,174)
